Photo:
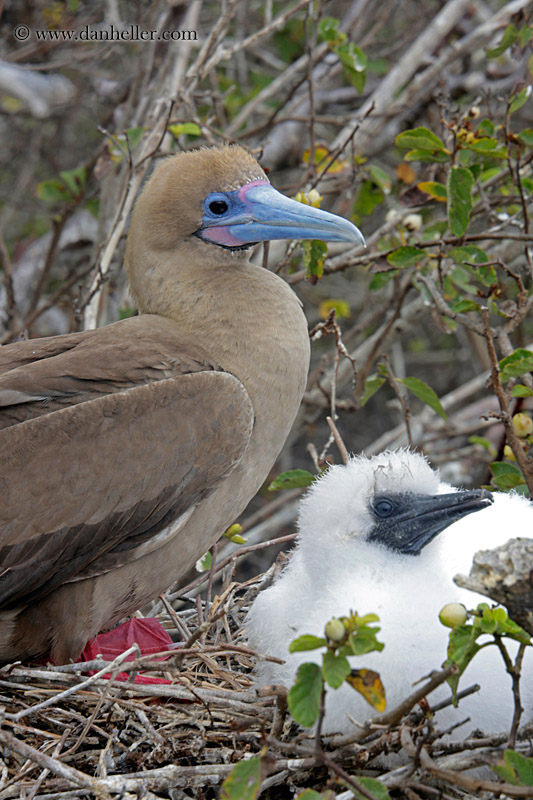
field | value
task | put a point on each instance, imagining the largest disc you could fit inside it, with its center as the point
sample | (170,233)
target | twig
(338,441)
(525,463)
(51,701)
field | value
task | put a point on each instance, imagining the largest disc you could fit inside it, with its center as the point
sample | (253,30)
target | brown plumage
(128,450)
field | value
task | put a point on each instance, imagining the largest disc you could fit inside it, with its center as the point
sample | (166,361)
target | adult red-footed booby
(128,450)
(384,535)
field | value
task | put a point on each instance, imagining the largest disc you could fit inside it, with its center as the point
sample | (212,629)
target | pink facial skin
(221,236)
(244,189)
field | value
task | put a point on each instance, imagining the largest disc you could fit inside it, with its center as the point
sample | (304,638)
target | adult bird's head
(393,500)
(215,203)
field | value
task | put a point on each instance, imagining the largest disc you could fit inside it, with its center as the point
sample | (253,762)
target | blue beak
(257,213)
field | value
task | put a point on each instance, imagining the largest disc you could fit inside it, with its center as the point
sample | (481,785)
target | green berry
(335,630)
(453,614)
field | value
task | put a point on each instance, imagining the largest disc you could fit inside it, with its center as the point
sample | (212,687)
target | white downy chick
(378,535)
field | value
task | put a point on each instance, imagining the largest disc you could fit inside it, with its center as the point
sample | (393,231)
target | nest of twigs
(68,734)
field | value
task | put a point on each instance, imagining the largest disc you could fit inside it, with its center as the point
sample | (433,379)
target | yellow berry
(508,453)
(453,614)
(523,425)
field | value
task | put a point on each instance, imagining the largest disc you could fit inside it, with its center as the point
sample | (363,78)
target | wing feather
(83,486)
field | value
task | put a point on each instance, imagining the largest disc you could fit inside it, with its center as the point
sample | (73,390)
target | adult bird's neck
(248,319)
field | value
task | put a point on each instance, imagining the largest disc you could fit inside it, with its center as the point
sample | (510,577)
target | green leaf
(434,189)
(52,191)
(471,254)
(354,62)
(486,127)
(491,172)
(310,794)
(526,34)
(515,768)
(518,363)
(460,185)
(380,178)
(521,391)
(342,309)
(306,642)
(526,136)
(204,563)
(293,479)
(93,205)
(462,647)
(367,199)
(506,476)
(490,148)
(75,180)
(315,252)
(381,278)
(328,31)
(364,641)
(426,157)
(504,626)
(461,278)
(463,306)
(510,35)
(420,139)
(244,780)
(126,312)
(405,256)
(134,136)
(190,128)
(519,99)
(304,696)
(373,786)
(424,393)
(486,443)
(371,387)
(335,669)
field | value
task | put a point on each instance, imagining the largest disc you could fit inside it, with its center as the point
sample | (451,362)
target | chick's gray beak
(406,523)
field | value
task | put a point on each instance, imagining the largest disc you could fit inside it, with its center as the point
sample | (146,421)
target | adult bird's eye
(218,206)
(383,507)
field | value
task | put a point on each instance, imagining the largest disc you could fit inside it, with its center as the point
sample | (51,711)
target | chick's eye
(383,507)
(218,206)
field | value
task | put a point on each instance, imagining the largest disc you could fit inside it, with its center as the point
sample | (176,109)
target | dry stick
(78,687)
(514,671)
(344,776)
(401,399)
(45,772)
(233,557)
(389,97)
(179,624)
(53,764)
(363,257)
(341,147)
(161,111)
(63,289)
(516,178)
(474,785)
(224,54)
(58,225)
(525,463)
(399,76)
(8,282)
(338,441)
(394,716)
